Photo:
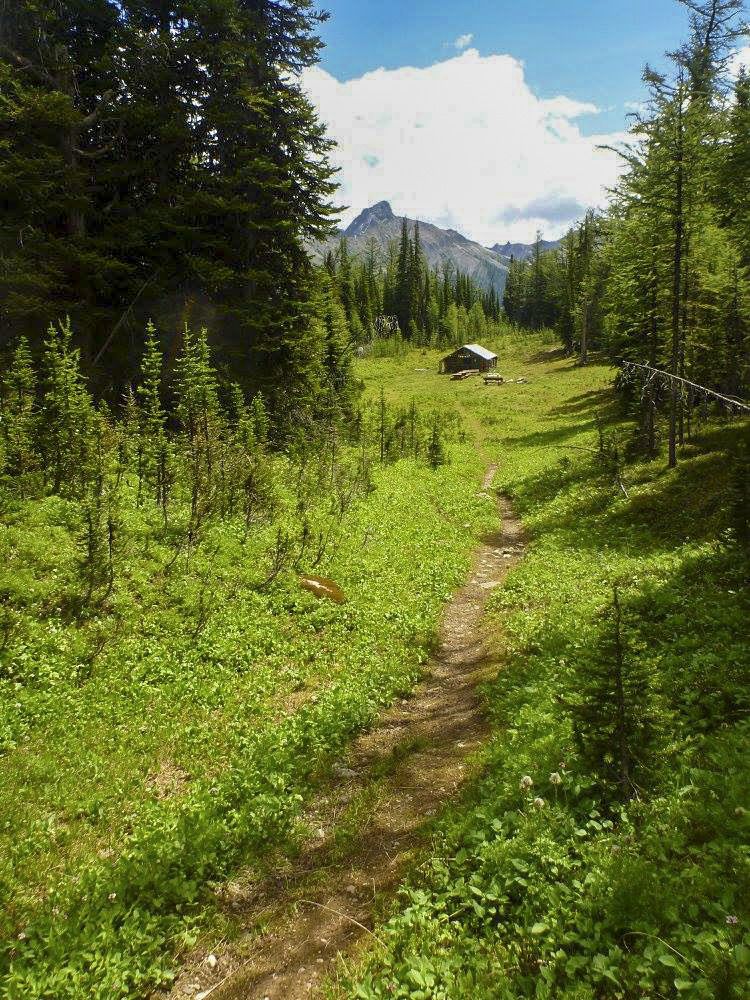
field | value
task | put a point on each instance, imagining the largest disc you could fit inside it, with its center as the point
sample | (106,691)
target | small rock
(344,772)
(212,961)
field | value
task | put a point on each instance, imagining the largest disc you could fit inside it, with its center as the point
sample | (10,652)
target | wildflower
(539,803)
(526,783)
(22,936)
(555,778)
(112,897)
(732,920)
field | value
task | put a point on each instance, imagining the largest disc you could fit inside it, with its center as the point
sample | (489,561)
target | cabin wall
(464,360)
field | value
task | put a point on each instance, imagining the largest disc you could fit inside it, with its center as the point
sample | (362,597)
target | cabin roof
(477,349)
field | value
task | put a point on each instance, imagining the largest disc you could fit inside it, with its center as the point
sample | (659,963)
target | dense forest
(237,502)
(158,161)
(401,298)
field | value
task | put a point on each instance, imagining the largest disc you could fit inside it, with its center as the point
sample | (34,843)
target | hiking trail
(369,823)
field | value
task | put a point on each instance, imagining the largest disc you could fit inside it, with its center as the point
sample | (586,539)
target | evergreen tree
(613,720)
(68,418)
(18,414)
(160,158)
(155,451)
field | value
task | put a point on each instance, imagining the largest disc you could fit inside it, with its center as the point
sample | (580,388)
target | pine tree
(402,297)
(162,159)
(154,447)
(68,418)
(200,419)
(436,454)
(513,295)
(18,415)
(338,356)
(613,718)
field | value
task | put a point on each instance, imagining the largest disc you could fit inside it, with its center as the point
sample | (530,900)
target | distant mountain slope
(440,246)
(522,251)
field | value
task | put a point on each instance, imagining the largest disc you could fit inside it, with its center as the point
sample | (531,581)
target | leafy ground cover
(149,752)
(552,879)
(134,778)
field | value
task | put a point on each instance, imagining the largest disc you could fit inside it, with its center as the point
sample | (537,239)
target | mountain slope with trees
(392,295)
(377,227)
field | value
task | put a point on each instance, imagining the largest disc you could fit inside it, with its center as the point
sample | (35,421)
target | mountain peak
(523,251)
(382,212)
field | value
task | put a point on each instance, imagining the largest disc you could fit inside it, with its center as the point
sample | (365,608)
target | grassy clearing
(186,746)
(133,783)
(554,886)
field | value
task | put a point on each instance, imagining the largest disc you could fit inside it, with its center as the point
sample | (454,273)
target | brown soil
(369,824)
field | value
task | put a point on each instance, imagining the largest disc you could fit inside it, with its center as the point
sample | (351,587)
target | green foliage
(555,877)
(68,420)
(396,300)
(612,713)
(161,159)
(166,687)
(435,449)
(662,278)
(18,415)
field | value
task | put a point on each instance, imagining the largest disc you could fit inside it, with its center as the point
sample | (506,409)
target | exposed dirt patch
(168,781)
(367,826)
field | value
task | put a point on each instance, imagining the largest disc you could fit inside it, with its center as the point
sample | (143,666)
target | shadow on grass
(592,401)
(548,354)
(665,509)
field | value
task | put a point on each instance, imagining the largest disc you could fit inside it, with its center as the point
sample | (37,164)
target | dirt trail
(395,778)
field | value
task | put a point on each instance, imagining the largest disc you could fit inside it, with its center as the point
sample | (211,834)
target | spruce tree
(154,448)
(18,415)
(160,158)
(68,418)
(613,717)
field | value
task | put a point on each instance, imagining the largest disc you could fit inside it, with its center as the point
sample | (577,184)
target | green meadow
(550,879)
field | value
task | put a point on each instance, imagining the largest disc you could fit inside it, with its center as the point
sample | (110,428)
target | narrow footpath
(370,823)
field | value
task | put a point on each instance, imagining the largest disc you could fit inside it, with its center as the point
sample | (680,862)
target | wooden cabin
(470,357)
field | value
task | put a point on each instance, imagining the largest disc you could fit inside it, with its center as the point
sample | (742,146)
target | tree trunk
(583,360)
(679,232)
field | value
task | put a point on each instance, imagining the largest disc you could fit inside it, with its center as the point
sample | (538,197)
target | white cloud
(740,58)
(465,144)
(463,42)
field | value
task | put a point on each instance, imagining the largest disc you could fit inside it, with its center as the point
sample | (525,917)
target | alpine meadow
(374,607)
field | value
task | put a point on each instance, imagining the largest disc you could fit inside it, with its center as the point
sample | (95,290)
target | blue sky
(489,117)
(590,50)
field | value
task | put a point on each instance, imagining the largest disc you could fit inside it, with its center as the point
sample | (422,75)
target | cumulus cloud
(465,144)
(740,58)
(463,42)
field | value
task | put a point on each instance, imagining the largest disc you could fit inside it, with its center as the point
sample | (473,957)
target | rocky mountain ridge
(379,224)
